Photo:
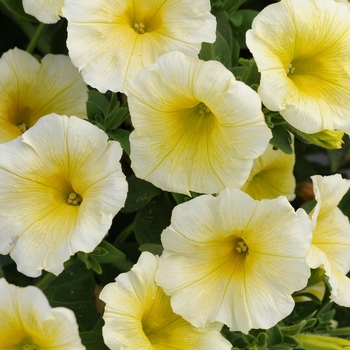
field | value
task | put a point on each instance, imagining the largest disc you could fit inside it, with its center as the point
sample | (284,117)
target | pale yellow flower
(138,315)
(196,127)
(331,236)
(30,90)
(111,41)
(301,48)
(234,260)
(28,322)
(46,11)
(271,175)
(60,186)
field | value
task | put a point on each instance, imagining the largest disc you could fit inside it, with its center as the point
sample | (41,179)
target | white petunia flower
(28,322)
(60,186)
(196,127)
(30,90)
(331,236)
(234,260)
(110,42)
(301,48)
(138,315)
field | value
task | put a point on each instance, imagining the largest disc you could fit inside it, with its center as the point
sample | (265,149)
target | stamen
(290,69)
(74,199)
(139,28)
(23,127)
(203,109)
(242,247)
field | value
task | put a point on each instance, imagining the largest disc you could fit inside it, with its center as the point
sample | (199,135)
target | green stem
(45,281)
(339,331)
(124,234)
(33,43)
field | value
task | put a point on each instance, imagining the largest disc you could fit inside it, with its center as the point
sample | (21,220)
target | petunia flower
(196,127)
(331,236)
(271,175)
(46,11)
(30,90)
(234,260)
(28,322)
(138,315)
(111,41)
(60,186)
(301,48)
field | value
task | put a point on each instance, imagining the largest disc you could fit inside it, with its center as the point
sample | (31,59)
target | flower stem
(45,281)
(39,31)
(124,234)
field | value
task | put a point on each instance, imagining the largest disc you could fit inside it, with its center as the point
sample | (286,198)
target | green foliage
(140,194)
(16,7)
(74,289)
(108,116)
(93,341)
(152,219)
(218,51)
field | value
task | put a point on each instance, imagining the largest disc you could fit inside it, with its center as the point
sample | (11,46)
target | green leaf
(116,117)
(337,157)
(281,139)
(16,7)
(140,194)
(96,104)
(344,204)
(112,253)
(152,219)
(224,28)
(240,31)
(74,289)
(218,51)
(122,136)
(236,19)
(93,341)
(262,339)
(94,265)
(248,338)
(155,249)
(309,205)
(274,335)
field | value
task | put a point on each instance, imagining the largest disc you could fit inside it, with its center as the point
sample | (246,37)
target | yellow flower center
(28,344)
(23,127)
(139,28)
(241,247)
(29,347)
(74,199)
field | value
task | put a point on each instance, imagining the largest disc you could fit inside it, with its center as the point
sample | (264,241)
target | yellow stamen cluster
(290,69)
(203,109)
(242,247)
(23,127)
(139,28)
(74,199)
